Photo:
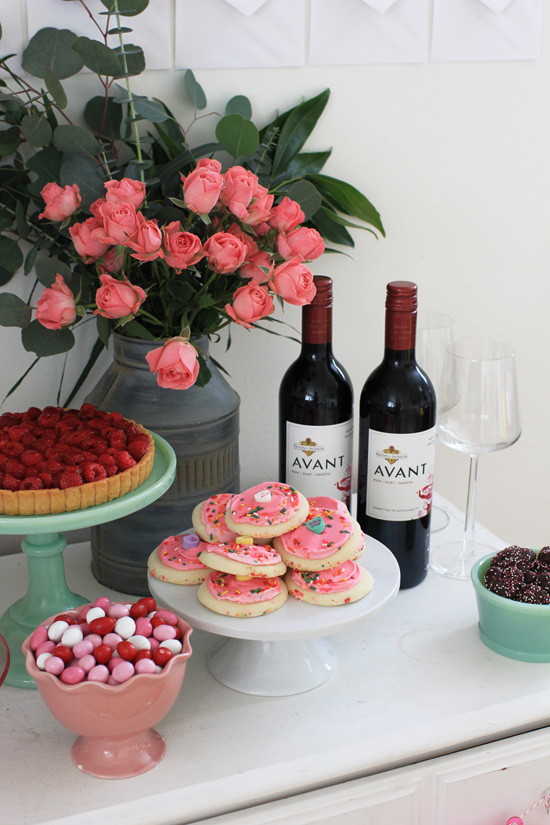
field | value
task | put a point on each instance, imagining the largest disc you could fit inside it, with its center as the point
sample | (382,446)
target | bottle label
(400,475)
(319,459)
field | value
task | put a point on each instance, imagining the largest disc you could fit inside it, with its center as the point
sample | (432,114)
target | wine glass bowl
(478,413)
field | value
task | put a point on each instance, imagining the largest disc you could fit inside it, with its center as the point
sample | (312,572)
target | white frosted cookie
(176,560)
(226,594)
(243,558)
(327,538)
(346,583)
(266,510)
(208,518)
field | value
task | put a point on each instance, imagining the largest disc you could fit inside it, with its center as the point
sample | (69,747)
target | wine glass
(434,331)
(479,412)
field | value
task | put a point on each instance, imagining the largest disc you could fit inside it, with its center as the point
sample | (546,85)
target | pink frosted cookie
(345,583)
(266,510)
(328,503)
(176,560)
(243,558)
(229,595)
(327,538)
(208,518)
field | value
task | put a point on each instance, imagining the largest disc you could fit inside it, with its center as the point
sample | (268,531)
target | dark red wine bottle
(397,443)
(316,409)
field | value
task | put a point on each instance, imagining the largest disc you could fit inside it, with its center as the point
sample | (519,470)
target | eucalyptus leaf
(9,141)
(126,8)
(5,276)
(103,329)
(21,222)
(237,135)
(135,60)
(55,88)
(97,56)
(45,342)
(10,254)
(104,117)
(137,330)
(194,90)
(87,174)
(30,260)
(307,196)
(37,130)
(297,128)
(75,140)
(239,105)
(52,49)
(14,312)
(46,164)
(47,269)
(151,111)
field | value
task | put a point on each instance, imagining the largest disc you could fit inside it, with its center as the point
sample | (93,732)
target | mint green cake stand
(47,592)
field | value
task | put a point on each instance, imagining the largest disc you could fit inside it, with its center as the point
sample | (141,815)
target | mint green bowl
(513,629)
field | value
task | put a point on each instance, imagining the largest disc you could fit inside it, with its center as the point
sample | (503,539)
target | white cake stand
(282,653)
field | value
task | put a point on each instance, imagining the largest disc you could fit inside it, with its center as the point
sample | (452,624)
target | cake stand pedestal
(47,590)
(282,653)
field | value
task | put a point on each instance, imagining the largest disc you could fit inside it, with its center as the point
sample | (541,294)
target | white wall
(456,159)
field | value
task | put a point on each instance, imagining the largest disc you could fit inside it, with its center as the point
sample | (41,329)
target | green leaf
(45,342)
(306,163)
(237,135)
(10,254)
(9,141)
(55,88)
(150,110)
(136,330)
(331,231)
(30,259)
(307,196)
(239,105)
(97,56)
(46,164)
(87,174)
(204,375)
(346,198)
(126,8)
(21,221)
(46,270)
(104,117)
(135,60)
(103,329)
(5,276)
(75,140)
(297,128)
(194,90)
(37,130)
(14,312)
(52,49)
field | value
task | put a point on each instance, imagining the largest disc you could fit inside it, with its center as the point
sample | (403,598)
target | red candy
(102,654)
(138,611)
(126,650)
(103,625)
(65,617)
(162,655)
(64,653)
(149,602)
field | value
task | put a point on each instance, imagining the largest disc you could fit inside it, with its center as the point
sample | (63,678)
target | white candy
(72,636)
(56,630)
(140,642)
(94,613)
(125,627)
(41,660)
(172,644)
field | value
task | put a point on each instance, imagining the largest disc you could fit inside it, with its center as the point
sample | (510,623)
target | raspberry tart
(55,460)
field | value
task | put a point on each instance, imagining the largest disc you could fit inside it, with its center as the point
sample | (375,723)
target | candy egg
(173,645)
(125,627)
(118,610)
(143,627)
(163,632)
(102,601)
(87,663)
(102,654)
(41,660)
(72,636)
(83,648)
(39,636)
(102,625)
(63,652)
(140,642)
(56,630)
(112,639)
(99,673)
(145,666)
(95,639)
(126,650)
(167,615)
(123,672)
(46,647)
(94,613)
(72,675)
(54,664)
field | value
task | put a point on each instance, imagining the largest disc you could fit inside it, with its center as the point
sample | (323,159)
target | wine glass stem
(470,519)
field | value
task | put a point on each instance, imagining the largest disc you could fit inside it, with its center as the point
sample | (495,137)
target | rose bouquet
(123,222)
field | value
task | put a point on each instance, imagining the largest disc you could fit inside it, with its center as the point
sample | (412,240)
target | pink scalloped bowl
(114,723)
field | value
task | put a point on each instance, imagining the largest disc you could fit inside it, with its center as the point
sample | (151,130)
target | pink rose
(303,243)
(95,207)
(201,189)
(225,252)
(87,239)
(60,201)
(240,186)
(286,215)
(248,240)
(56,308)
(181,249)
(250,303)
(260,207)
(120,221)
(125,191)
(111,261)
(251,268)
(209,163)
(175,364)
(293,282)
(117,299)
(146,240)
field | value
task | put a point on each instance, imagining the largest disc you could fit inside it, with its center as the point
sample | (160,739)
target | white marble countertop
(414,682)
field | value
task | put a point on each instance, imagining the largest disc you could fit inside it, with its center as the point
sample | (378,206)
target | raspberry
(31,414)
(98,445)
(107,459)
(14,468)
(30,458)
(31,484)
(53,453)
(3,460)
(130,428)
(115,418)
(12,448)
(32,472)
(70,478)
(125,460)
(46,479)
(70,421)
(18,431)
(48,417)
(88,411)
(93,471)
(117,438)
(52,466)
(10,483)
(9,419)
(72,456)
(138,446)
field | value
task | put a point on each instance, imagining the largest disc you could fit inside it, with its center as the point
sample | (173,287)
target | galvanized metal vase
(202,426)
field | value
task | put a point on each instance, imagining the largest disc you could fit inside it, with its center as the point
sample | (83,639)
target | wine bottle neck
(399,357)
(400,332)
(317,322)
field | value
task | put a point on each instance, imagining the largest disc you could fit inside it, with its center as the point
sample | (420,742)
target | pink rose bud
(117,299)
(175,364)
(250,303)
(209,163)
(146,240)
(120,221)
(248,240)
(125,191)
(293,282)
(251,268)
(286,215)
(225,252)
(260,207)
(240,186)
(61,202)
(304,243)
(56,307)
(201,189)
(181,249)
(87,239)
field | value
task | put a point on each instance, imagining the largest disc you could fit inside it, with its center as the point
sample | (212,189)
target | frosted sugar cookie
(266,510)
(227,594)
(346,583)
(328,503)
(176,560)
(208,518)
(243,558)
(327,538)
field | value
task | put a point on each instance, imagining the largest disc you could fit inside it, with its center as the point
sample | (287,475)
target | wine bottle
(397,443)
(316,409)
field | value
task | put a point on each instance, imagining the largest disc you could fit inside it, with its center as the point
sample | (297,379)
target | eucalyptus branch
(131,107)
